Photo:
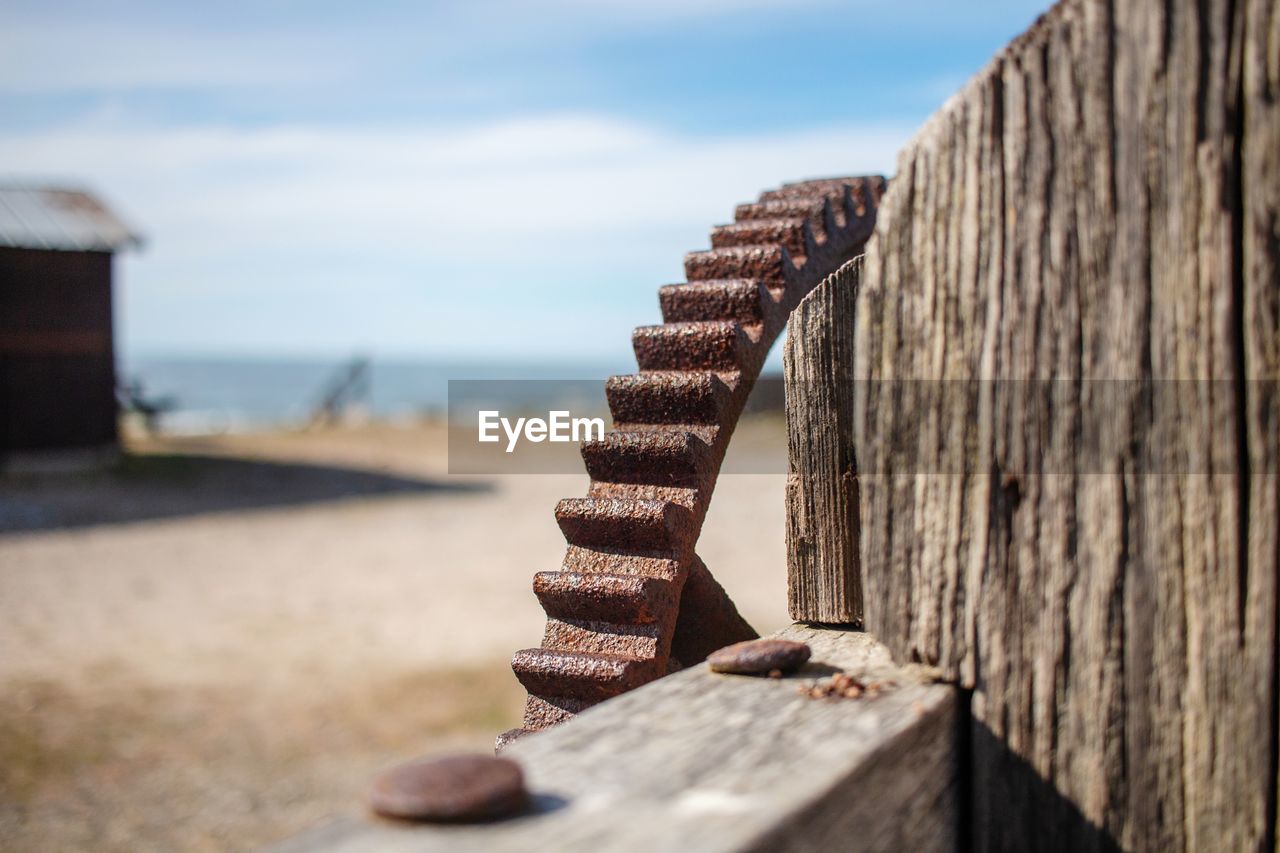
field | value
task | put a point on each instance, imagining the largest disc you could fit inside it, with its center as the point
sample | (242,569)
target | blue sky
(489,180)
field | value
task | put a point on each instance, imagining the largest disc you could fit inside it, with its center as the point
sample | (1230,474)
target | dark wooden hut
(57,357)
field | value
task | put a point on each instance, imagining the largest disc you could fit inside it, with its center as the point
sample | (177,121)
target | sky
(489,180)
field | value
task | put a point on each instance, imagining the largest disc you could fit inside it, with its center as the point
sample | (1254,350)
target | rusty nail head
(760,657)
(458,788)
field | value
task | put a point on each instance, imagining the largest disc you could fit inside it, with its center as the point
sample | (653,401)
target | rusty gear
(632,601)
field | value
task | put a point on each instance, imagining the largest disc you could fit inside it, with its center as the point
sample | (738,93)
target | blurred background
(210,638)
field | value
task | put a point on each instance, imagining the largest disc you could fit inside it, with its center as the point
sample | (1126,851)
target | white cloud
(587,204)
(45,49)
(41,57)
(539,176)
(669,10)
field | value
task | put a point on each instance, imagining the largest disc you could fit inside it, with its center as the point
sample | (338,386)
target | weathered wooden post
(1067,351)
(823,582)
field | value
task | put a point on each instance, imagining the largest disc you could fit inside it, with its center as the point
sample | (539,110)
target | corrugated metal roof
(40,217)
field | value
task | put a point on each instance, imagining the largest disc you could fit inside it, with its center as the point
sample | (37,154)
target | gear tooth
(652,526)
(770,264)
(643,640)
(587,676)
(668,397)
(808,208)
(788,232)
(599,597)
(713,344)
(648,457)
(744,300)
(541,712)
(823,187)
(609,561)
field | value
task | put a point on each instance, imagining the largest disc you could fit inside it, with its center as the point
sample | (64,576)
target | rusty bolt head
(760,657)
(460,788)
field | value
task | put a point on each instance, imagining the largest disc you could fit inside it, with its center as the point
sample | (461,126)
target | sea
(224,394)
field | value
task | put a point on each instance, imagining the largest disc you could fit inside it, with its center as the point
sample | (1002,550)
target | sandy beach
(214,644)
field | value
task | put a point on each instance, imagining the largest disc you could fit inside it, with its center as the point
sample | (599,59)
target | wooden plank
(704,762)
(823,579)
(1087,535)
(1260,322)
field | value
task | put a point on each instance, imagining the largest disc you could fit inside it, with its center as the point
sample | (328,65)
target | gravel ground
(215,643)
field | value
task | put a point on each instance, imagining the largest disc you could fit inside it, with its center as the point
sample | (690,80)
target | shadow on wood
(999,777)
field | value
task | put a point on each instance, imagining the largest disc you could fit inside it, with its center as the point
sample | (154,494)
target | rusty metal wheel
(632,601)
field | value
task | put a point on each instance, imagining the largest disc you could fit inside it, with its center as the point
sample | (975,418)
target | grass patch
(185,769)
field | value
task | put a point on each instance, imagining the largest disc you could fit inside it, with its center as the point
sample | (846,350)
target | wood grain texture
(824,583)
(704,762)
(1093,552)
(1260,323)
